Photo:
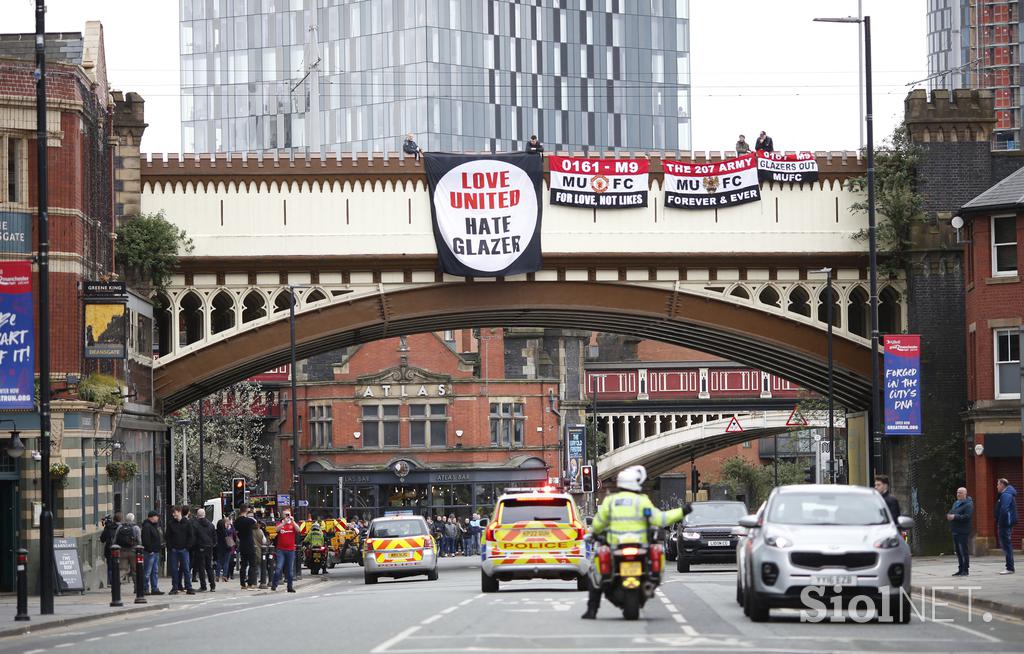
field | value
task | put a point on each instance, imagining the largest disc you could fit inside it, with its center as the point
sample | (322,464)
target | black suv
(706,534)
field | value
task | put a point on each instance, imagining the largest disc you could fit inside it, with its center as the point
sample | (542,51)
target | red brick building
(994,255)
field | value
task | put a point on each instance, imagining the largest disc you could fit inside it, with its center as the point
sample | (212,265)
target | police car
(535,534)
(399,546)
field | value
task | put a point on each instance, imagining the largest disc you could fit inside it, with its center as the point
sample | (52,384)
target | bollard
(264,567)
(140,571)
(115,585)
(22,615)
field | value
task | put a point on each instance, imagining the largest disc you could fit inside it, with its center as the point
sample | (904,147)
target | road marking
(394,640)
(671,608)
(465,601)
(35,651)
(143,629)
(448,610)
(89,640)
(991,639)
(433,618)
(63,645)
(118,633)
(688,630)
(222,613)
(678,618)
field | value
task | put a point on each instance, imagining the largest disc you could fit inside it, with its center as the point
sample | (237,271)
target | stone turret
(967,116)
(129,125)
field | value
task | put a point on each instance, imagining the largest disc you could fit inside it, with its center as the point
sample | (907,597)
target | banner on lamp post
(576,455)
(17,336)
(902,387)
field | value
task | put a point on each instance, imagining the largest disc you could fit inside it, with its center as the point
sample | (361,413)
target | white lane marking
(394,640)
(143,629)
(465,601)
(63,645)
(991,639)
(118,633)
(448,610)
(94,638)
(671,608)
(688,630)
(35,651)
(431,619)
(678,618)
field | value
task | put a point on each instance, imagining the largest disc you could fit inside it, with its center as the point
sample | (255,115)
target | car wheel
(581,583)
(682,565)
(369,578)
(488,584)
(755,607)
(432,575)
(739,591)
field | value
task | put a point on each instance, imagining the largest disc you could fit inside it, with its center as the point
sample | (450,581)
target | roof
(824,488)
(1006,194)
(60,46)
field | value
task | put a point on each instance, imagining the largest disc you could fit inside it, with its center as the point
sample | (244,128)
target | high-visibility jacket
(621,518)
(315,537)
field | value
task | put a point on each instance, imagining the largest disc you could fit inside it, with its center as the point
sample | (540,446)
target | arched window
(254,306)
(222,315)
(858,313)
(190,319)
(283,301)
(769,296)
(799,301)
(889,313)
(164,322)
(837,316)
(739,291)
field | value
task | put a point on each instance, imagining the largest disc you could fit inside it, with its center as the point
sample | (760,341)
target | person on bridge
(742,147)
(534,146)
(410,147)
(765,143)
(621,515)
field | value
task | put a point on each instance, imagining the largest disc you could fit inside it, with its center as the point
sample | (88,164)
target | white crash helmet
(632,478)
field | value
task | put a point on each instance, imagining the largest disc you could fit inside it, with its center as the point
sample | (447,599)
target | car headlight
(778,541)
(691,535)
(888,543)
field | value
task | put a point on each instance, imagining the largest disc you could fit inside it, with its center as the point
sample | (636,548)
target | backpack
(125,537)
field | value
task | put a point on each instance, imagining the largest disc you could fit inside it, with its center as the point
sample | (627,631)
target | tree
(756,481)
(233,426)
(898,203)
(148,246)
(597,441)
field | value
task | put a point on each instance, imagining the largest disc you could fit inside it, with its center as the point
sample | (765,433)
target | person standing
(742,147)
(206,538)
(260,542)
(534,146)
(152,546)
(451,534)
(960,517)
(180,540)
(1006,518)
(765,143)
(225,546)
(109,535)
(882,486)
(287,535)
(244,526)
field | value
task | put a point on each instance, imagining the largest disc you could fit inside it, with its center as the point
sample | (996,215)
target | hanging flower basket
(122,470)
(59,473)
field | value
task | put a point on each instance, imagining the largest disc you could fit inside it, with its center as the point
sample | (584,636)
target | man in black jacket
(206,537)
(882,486)
(409,146)
(180,539)
(108,538)
(959,517)
(152,545)
(247,564)
(534,146)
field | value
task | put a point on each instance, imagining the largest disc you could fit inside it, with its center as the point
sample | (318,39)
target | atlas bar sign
(405,390)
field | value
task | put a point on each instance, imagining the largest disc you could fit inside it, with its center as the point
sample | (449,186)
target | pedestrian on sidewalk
(152,546)
(451,534)
(180,539)
(225,546)
(245,524)
(287,534)
(261,541)
(1006,518)
(193,553)
(206,538)
(108,538)
(882,486)
(128,537)
(960,518)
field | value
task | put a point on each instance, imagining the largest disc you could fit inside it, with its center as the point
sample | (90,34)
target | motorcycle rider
(314,539)
(620,518)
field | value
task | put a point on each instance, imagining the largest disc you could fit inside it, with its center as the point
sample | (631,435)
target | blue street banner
(902,385)
(576,449)
(17,336)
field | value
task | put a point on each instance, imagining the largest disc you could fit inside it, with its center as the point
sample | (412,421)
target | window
(320,427)
(449,336)
(380,425)
(507,423)
(1004,245)
(428,425)
(1007,350)
(14,170)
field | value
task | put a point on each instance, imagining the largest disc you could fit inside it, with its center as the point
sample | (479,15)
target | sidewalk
(95,605)
(984,590)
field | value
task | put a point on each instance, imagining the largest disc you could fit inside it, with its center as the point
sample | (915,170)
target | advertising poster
(598,183)
(576,451)
(711,185)
(779,167)
(486,213)
(17,336)
(105,330)
(902,388)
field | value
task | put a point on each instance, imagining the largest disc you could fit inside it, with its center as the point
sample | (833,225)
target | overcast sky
(755,64)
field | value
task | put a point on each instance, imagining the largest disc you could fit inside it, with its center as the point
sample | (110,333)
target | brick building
(83,139)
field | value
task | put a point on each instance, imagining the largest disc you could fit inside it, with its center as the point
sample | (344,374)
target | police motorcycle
(631,572)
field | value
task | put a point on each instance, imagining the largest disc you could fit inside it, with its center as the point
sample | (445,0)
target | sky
(755,65)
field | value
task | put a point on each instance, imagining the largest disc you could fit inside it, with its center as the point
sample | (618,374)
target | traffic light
(587,477)
(810,475)
(694,481)
(237,492)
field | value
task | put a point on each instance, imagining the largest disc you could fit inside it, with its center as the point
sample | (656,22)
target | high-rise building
(975,44)
(459,74)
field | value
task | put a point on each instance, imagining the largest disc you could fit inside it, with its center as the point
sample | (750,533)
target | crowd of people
(457,537)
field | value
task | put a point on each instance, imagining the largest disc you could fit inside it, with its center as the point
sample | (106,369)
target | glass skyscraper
(462,75)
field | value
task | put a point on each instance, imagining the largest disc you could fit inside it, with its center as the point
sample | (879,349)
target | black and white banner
(711,185)
(486,212)
(598,183)
(778,167)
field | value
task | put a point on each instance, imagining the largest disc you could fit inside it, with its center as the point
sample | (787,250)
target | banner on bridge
(713,185)
(486,212)
(598,183)
(778,167)
(17,336)
(902,385)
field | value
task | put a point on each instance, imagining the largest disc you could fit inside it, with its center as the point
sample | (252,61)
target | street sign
(284,500)
(303,503)
(796,418)
(734,426)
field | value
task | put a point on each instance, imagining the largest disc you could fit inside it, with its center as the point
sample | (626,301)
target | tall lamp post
(874,442)
(46,562)
(831,409)
(295,405)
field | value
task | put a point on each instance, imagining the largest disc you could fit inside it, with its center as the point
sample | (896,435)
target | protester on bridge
(765,143)
(206,539)
(534,145)
(287,534)
(180,539)
(960,517)
(742,147)
(152,546)
(882,486)
(1006,518)
(410,147)
(245,524)
(225,547)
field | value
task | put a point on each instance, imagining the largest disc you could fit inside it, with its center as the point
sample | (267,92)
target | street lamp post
(874,442)
(831,408)
(295,406)
(202,454)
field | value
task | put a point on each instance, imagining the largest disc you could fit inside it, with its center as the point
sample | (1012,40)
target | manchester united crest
(711,183)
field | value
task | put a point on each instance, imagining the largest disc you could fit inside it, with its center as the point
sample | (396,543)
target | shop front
(425,491)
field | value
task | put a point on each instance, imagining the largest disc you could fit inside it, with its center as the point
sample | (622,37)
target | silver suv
(816,547)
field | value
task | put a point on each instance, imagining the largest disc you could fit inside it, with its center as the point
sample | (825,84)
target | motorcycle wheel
(631,605)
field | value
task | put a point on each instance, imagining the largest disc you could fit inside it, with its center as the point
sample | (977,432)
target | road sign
(734,426)
(796,418)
